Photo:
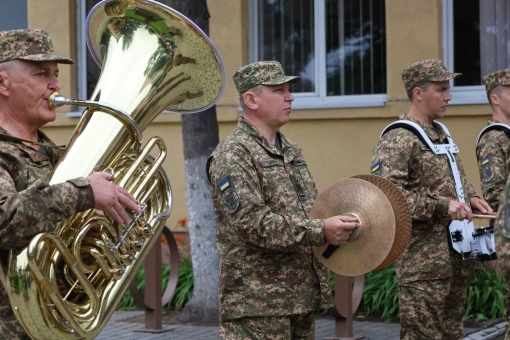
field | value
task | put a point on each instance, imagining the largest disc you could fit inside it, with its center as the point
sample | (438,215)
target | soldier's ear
(4,83)
(418,94)
(250,99)
(494,99)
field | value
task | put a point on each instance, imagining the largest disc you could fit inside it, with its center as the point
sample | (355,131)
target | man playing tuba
(28,205)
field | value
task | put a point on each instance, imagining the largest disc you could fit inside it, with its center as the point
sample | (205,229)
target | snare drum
(483,246)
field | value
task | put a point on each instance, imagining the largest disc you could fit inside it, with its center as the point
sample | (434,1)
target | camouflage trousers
(507,318)
(287,327)
(503,251)
(10,329)
(433,309)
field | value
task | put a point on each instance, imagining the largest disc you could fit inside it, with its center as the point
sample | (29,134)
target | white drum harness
(460,233)
(495,126)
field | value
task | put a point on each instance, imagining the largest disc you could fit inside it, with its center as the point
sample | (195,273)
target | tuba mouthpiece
(56,100)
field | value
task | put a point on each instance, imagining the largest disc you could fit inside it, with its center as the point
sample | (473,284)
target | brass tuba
(65,285)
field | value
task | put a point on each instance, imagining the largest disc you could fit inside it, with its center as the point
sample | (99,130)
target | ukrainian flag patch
(376,167)
(485,160)
(229,194)
(224,184)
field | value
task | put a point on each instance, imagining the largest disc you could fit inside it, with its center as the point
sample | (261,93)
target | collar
(289,152)
(436,135)
(35,155)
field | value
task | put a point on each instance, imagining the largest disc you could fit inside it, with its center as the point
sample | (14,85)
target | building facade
(349,53)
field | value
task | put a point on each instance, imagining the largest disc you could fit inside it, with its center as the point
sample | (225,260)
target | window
(476,42)
(87,70)
(13,15)
(338,47)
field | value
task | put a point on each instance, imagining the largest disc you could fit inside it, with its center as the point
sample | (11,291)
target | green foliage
(486,295)
(485,298)
(184,288)
(182,293)
(380,294)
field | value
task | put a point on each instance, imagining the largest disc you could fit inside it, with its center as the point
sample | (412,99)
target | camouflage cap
(28,44)
(501,77)
(261,73)
(424,71)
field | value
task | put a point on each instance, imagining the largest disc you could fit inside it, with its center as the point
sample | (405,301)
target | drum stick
(488,216)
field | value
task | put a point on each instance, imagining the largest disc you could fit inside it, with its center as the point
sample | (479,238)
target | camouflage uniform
(432,277)
(493,155)
(28,205)
(32,45)
(502,229)
(302,326)
(262,197)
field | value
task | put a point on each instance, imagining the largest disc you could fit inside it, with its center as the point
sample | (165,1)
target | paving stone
(118,328)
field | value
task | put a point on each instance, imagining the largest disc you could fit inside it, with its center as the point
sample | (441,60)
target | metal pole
(153,316)
(347,300)
(153,301)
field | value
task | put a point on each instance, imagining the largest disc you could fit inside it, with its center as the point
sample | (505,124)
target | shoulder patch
(232,200)
(377,168)
(230,196)
(487,170)
(224,183)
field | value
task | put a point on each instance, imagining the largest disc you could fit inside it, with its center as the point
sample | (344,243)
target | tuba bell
(64,284)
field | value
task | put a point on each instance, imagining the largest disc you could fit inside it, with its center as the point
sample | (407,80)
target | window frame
(318,99)
(461,95)
(81,58)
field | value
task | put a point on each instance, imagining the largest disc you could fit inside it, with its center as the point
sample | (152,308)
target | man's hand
(480,206)
(111,198)
(459,211)
(338,229)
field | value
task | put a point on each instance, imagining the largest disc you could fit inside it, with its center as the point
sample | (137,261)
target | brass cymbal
(402,214)
(370,205)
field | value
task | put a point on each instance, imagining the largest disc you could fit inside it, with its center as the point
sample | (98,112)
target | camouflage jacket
(261,201)
(428,185)
(29,206)
(502,233)
(493,155)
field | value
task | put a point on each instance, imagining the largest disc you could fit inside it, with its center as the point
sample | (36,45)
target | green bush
(486,295)
(182,293)
(380,294)
(485,298)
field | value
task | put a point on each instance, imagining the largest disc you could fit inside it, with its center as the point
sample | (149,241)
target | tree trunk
(200,137)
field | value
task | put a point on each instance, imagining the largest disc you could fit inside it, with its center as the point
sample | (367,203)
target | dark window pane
(13,15)
(355,47)
(286,34)
(494,35)
(466,46)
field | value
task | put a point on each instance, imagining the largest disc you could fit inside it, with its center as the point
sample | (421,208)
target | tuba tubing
(65,285)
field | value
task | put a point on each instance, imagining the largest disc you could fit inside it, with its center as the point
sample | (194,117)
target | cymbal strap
(329,251)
